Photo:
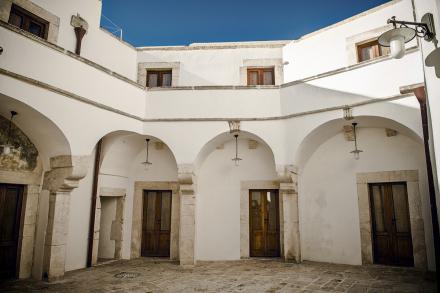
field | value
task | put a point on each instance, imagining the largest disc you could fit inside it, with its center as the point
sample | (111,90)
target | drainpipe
(93,205)
(419,92)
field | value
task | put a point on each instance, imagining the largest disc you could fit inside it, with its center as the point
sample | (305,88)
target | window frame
(160,73)
(260,71)
(27,18)
(378,50)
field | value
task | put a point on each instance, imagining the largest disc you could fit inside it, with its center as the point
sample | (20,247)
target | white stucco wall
(79,219)
(97,44)
(211,66)
(121,168)
(218,197)
(328,47)
(328,203)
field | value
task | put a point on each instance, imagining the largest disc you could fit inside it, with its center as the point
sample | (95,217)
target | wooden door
(391,226)
(264,224)
(156,223)
(11,197)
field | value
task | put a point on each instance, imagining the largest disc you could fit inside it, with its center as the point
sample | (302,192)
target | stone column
(187,232)
(30,206)
(64,176)
(289,196)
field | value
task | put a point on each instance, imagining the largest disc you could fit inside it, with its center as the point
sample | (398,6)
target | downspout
(93,205)
(419,92)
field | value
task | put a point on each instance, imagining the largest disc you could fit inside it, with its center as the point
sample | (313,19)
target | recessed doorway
(264,223)
(156,223)
(391,226)
(11,198)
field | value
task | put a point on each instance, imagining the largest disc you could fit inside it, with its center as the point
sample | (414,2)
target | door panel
(392,242)
(264,223)
(156,225)
(10,214)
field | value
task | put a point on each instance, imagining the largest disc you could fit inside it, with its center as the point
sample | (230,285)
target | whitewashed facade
(291,139)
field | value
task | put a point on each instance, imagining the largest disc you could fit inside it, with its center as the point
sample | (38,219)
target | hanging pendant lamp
(147,163)
(356,152)
(236,159)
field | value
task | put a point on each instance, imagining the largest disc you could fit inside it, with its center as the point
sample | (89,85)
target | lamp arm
(424,29)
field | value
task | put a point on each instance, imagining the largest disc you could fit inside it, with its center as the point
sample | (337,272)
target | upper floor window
(261,76)
(159,78)
(370,50)
(29,22)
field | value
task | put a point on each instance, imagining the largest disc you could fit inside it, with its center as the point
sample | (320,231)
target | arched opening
(222,214)
(124,188)
(23,206)
(338,199)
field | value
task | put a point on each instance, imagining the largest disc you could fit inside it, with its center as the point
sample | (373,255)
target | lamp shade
(397,47)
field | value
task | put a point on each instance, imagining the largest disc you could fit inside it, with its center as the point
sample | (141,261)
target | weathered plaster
(415,212)
(117,225)
(23,156)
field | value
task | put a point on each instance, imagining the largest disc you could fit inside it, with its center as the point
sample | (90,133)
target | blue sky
(181,22)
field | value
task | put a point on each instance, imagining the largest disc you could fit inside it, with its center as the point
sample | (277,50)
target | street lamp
(398,36)
(147,163)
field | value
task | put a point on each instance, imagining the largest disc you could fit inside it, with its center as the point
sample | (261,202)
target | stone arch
(38,139)
(333,187)
(223,193)
(122,179)
(329,128)
(220,139)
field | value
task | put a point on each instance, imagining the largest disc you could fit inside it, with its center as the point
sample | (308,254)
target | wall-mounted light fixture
(147,163)
(398,36)
(348,113)
(8,146)
(236,159)
(356,152)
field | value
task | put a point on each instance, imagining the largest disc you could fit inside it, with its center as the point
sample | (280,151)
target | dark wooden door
(156,223)
(264,224)
(11,197)
(391,226)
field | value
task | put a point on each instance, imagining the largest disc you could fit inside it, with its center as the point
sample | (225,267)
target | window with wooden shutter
(370,50)
(159,78)
(27,21)
(261,76)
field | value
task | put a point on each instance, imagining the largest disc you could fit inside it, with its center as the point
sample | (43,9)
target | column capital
(66,172)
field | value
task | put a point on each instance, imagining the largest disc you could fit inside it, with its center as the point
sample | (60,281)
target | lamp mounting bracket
(424,29)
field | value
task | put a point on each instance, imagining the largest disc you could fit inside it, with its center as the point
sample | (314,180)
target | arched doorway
(338,193)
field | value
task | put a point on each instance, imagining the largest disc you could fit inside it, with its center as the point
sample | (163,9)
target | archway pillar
(64,176)
(288,178)
(187,234)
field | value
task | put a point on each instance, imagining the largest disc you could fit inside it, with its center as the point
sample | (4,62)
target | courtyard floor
(254,275)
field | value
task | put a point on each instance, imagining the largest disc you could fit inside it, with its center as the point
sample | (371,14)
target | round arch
(220,139)
(45,134)
(330,128)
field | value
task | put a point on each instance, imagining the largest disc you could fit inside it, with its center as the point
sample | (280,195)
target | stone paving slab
(253,275)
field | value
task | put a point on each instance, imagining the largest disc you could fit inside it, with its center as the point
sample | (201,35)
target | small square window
(159,78)
(27,21)
(371,50)
(261,76)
